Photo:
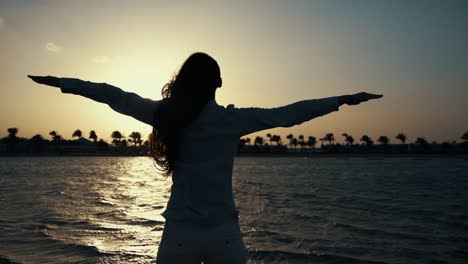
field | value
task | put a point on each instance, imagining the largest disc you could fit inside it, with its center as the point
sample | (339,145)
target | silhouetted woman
(195,140)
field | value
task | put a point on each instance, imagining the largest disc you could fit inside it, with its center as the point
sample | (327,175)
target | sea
(292,209)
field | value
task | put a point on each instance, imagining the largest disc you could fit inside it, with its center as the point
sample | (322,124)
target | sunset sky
(271,53)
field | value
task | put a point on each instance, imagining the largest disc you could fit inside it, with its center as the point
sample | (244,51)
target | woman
(195,140)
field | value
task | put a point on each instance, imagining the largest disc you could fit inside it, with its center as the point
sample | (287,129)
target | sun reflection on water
(121,207)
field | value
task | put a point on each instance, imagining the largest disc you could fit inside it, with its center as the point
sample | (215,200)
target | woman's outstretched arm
(123,102)
(250,120)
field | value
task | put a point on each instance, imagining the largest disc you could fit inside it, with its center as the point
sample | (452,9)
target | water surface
(293,210)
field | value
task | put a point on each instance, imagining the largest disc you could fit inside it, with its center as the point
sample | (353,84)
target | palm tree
(401,137)
(56,137)
(136,138)
(12,132)
(258,141)
(277,139)
(349,140)
(321,142)
(311,141)
(117,137)
(294,142)
(12,139)
(93,136)
(345,135)
(290,137)
(330,138)
(77,133)
(269,137)
(383,140)
(301,141)
(367,140)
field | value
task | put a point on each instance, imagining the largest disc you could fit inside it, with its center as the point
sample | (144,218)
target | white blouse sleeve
(123,102)
(250,120)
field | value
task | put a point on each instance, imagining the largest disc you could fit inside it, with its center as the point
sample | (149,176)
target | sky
(271,53)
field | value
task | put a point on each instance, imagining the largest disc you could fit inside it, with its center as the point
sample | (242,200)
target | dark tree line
(56,143)
(12,143)
(366,143)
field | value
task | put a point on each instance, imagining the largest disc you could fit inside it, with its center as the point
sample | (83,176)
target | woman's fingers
(363,97)
(375,96)
(37,79)
(47,80)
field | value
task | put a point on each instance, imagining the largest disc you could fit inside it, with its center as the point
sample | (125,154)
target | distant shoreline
(355,155)
(371,156)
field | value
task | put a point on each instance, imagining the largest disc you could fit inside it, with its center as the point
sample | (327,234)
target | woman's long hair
(183,99)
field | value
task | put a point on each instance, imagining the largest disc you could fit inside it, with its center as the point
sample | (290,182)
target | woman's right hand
(47,80)
(358,98)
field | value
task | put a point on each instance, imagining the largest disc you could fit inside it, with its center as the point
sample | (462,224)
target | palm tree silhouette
(12,139)
(321,142)
(56,137)
(367,140)
(12,132)
(290,137)
(269,137)
(294,142)
(349,140)
(136,138)
(345,135)
(77,133)
(401,137)
(247,141)
(311,141)
(117,137)
(330,138)
(258,141)
(301,141)
(277,139)
(383,140)
(93,136)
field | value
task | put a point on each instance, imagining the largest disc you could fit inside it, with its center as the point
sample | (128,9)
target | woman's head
(183,98)
(199,76)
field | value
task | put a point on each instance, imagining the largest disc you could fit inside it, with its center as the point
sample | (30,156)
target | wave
(379,232)
(88,251)
(145,222)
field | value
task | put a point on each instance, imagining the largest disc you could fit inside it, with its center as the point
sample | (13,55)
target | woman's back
(202,185)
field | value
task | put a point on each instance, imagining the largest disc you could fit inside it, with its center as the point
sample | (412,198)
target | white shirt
(201,191)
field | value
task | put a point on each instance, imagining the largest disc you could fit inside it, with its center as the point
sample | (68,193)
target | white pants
(187,243)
